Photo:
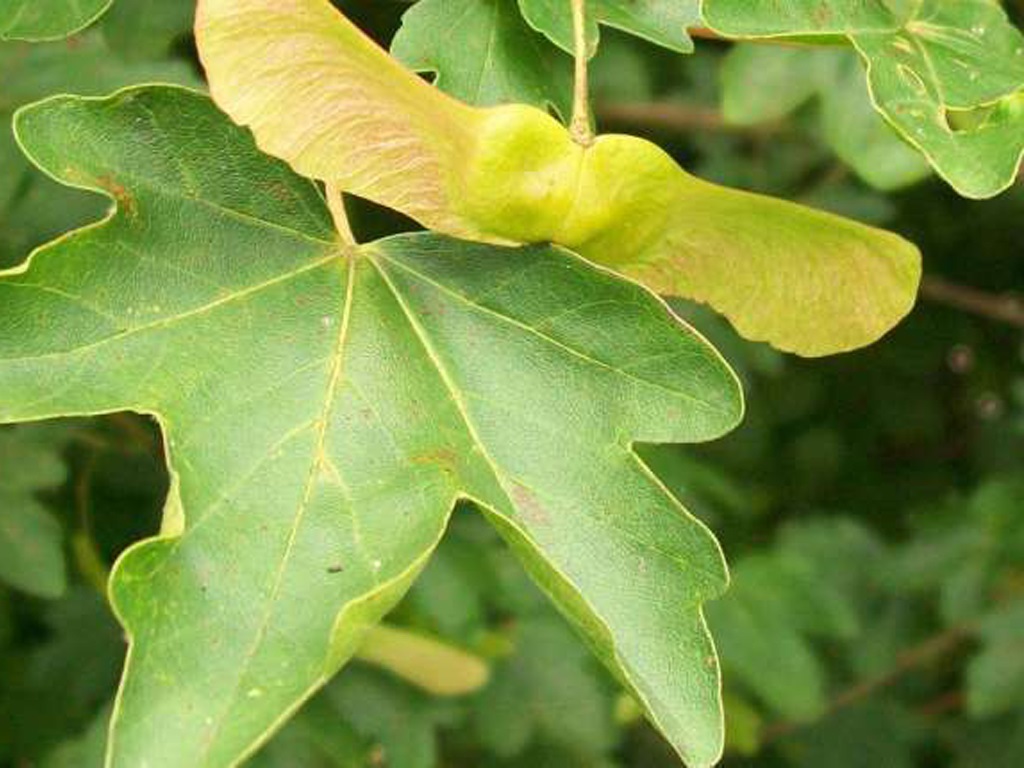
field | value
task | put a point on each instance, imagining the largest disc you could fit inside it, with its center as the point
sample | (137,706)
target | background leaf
(995,676)
(147,29)
(762,83)
(547,693)
(663,22)
(56,685)
(925,61)
(34,209)
(36,20)
(889,471)
(484,53)
(31,541)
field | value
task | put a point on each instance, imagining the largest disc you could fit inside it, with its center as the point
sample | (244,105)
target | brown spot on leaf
(529,505)
(444,458)
(124,199)
(280,192)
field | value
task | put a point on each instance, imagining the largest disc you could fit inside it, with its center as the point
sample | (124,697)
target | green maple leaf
(484,53)
(401,723)
(36,20)
(550,692)
(761,83)
(318,735)
(34,209)
(663,22)
(777,603)
(86,749)
(55,686)
(926,61)
(325,405)
(995,676)
(31,540)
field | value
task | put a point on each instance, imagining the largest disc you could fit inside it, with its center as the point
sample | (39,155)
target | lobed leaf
(324,406)
(484,54)
(34,209)
(663,22)
(926,60)
(806,281)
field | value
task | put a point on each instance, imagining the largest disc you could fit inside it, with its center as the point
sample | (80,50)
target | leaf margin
(409,573)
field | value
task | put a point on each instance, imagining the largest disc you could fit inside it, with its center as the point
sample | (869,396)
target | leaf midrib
(317,463)
(181,317)
(552,340)
(498,474)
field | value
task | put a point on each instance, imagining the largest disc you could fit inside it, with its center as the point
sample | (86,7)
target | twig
(933,648)
(682,117)
(943,704)
(1004,309)
(580,126)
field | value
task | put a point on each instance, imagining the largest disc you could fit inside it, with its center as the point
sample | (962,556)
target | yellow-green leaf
(319,94)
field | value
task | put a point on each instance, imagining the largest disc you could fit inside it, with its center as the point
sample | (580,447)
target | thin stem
(580,126)
(1003,309)
(931,650)
(683,117)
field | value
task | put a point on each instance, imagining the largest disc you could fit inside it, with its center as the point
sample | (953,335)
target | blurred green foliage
(871,506)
